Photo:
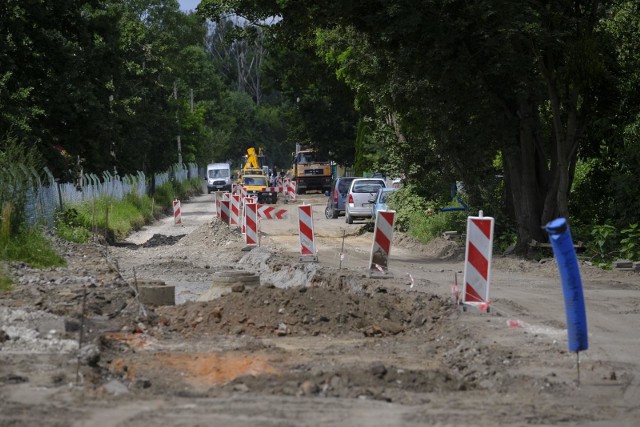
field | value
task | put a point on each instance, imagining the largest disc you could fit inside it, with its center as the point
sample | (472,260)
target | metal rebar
(344,232)
(81,337)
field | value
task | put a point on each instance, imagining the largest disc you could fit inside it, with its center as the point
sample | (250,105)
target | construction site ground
(315,344)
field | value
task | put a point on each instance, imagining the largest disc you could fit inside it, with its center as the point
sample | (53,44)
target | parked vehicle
(337,197)
(379,201)
(360,192)
(218,177)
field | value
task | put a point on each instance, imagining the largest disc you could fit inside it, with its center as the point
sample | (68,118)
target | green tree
(459,82)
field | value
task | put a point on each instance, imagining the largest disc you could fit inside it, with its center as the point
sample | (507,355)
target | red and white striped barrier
(217,200)
(245,201)
(226,196)
(234,188)
(234,218)
(382,237)
(177,216)
(242,191)
(225,211)
(251,218)
(289,189)
(305,230)
(477,260)
(269,212)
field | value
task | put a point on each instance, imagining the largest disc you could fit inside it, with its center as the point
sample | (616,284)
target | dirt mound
(437,248)
(161,240)
(332,309)
(215,233)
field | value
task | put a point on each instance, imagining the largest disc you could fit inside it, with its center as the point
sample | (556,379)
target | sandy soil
(315,344)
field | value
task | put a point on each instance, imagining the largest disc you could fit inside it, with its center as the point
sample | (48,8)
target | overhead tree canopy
(460,83)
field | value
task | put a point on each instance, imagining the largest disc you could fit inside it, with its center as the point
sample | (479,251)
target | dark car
(338,196)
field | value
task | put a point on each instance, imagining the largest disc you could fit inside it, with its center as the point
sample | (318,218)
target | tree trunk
(522,159)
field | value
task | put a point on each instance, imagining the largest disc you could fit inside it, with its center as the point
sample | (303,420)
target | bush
(421,218)
(71,227)
(630,243)
(17,175)
(407,205)
(165,195)
(426,227)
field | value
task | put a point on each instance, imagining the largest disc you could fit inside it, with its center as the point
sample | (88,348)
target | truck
(254,178)
(254,163)
(310,171)
(256,185)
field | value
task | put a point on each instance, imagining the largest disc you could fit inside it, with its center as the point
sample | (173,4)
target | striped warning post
(291,190)
(251,218)
(225,209)
(234,217)
(234,188)
(477,260)
(305,230)
(177,215)
(217,200)
(382,237)
(245,201)
(269,212)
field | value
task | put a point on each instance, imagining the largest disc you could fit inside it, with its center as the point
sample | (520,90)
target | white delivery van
(218,177)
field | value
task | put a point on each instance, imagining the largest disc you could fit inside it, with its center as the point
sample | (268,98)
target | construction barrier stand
(382,237)
(251,218)
(218,199)
(305,230)
(177,215)
(477,260)
(234,218)
(225,211)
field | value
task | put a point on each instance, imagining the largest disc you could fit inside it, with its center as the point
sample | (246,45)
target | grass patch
(120,217)
(32,247)
(5,282)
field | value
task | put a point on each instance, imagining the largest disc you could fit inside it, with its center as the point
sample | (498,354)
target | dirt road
(314,344)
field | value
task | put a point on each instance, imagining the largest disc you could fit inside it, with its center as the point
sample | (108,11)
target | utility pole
(175,96)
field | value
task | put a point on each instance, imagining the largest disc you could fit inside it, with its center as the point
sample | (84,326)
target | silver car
(360,192)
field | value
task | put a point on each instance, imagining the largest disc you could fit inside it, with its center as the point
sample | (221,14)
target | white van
(218,177)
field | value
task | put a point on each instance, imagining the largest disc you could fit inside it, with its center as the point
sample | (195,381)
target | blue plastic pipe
(565,254)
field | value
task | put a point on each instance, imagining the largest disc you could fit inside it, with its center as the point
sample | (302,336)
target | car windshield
(305,158)
(366,186)
(254,180)
(343,185)
(384,196)
(218,173)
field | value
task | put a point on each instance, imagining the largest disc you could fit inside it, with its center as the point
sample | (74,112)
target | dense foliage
(448,87)
(533,105)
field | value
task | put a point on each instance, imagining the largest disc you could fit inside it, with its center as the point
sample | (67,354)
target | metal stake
(578,367)
(344,232)
(81,337)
